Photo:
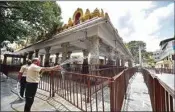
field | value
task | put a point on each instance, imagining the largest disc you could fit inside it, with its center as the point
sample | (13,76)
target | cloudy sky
(149,21)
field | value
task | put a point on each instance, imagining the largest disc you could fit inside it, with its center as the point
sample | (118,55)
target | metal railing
(160,94)
(118,87)
(162,70)
(90,92)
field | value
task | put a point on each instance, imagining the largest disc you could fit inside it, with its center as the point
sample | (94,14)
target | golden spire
(96,13)
(87,15)
(102,13)
(70,23)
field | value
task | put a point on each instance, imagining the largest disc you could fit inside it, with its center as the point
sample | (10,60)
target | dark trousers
(31,89)
(23,86)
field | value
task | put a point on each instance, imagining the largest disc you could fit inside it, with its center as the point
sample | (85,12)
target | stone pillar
(65,47)
(109,51)
(85,53)
(5,59)
(36,53)
(30,56)
(105,60)
(85,68)
(69,54)
(122,61)
(57,57)
(129,63)
(94,50)
(47,56)
(41,59)
(117,62)
(24,59)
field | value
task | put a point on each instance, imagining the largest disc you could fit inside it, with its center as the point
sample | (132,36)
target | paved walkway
(10,100)
(137,98)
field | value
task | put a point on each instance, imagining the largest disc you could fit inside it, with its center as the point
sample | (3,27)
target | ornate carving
(87,15)
(78,14)
(70,23)
(96,13)
(82,19)
(79,17)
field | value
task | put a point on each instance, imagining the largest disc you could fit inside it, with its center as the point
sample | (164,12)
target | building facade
(163,57)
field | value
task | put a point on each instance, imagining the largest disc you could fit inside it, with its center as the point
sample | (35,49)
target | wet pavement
(11,102)
(137,98)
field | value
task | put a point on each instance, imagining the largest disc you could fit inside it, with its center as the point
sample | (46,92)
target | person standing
(33,78)
(22,77)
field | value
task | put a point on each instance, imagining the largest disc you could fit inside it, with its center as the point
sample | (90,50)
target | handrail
(161,94)
(170,90)
(167,88)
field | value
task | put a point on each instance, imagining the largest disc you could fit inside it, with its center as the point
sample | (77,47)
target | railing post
(111,85)
(88,92)
(52,93)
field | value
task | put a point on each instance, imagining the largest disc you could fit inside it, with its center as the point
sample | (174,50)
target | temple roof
(79,17)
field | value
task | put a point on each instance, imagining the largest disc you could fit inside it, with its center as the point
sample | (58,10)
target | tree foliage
(32,20)
(133,46)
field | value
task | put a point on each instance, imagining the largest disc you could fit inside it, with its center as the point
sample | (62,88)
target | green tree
(147,57)
(133,46)
(28,20)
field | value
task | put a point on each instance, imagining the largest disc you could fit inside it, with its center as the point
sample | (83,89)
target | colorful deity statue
(96,13)
(79,17)
(87,15)
(102,13)
(70,23)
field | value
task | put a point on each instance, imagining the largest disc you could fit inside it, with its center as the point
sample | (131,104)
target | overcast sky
(148,21)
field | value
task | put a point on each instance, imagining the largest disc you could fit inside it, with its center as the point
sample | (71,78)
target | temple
(90,33)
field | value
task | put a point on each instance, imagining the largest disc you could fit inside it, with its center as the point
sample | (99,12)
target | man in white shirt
(33,78)
(22,77)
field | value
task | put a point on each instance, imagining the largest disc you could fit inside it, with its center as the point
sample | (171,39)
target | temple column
(47,56)
(65,47)
(36,53)
(69,54)
(24,59)
(41,59)
(30,56)
(5,59)
(122,61)
(129,63)
(109,51)
(85,68)
(57,57)
(94,50)
(105,60)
